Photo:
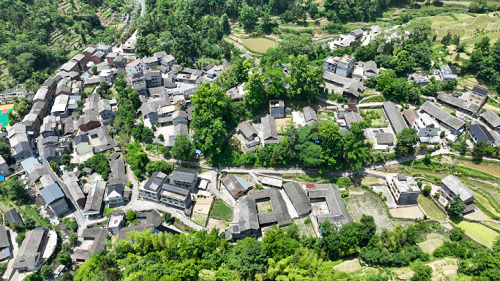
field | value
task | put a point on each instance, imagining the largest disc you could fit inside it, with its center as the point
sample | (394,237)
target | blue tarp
(197,151)
(2,178)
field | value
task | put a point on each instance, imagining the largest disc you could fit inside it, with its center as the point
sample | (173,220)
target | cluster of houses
(260,209)
(404,190)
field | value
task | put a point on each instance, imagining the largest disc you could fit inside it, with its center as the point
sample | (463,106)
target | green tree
(427,189)
(225,24)
(73,238)
(456,207)
(255,90)
(423,273)
(64,259)
(46,271)
(403,62)
(183,148)
(406,140)
(65,159)
(94,70)
(167,217)
(212,117)
(456,234)
(311,155)
(67,277)
(305,80)
(130,215)
(248,258)
(248,17)
(33,277)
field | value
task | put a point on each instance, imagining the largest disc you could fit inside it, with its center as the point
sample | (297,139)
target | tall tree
(406,140)
(183,148)
(305,80)
(255,90)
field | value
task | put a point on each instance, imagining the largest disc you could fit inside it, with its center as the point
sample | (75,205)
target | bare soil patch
(215,223)
(412,212)
(349,266)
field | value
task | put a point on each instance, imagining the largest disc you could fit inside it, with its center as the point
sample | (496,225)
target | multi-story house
(426,126)
(101,47)
(153,78)
(404,189)
(452,187)
(185,177)
(152,188)
(330,64)
(119,62)
(134,66)
(345,65)
(277,108)
(167,61)
(177,197)
(7,95)
(149,62)
(136,78)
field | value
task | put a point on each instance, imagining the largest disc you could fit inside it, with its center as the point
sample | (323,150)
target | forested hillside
(36,36)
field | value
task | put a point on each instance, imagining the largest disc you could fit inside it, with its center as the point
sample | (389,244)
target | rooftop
(394,116)
(331,194)
(458,188)
(298,197)
(433,110)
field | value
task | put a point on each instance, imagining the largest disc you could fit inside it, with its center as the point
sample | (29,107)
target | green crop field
(221,211)
(259,45)
(430,208)
(479,232)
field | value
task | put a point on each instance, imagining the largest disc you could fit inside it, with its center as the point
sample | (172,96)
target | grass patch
(108,210)
(379,98)
(31,212)
(479,232)
(221,211)
(200,219)
(494,225)
(430,208)
(367,204)
(430,245)
(259,45)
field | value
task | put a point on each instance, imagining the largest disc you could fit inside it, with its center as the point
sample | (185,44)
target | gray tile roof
(458,188)
(480,132)
(13,216)
(249,217)
(442,116)
(491,118)
(279,214)
(352,117)
(370,66)
(95,197)
(269,131)
(298,197)
(480,90)
(117,171)
(35,171)
(29,253)
(155,181)
(394,115)
(234,185)
(147,220)
(99,236)
(309,115)
(184,174)
(338,213)
(4,239)
(459,103)
(248,130)
(385,138)
(447,69)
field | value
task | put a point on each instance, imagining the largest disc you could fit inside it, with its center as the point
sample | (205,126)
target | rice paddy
(259,45)
(465,26)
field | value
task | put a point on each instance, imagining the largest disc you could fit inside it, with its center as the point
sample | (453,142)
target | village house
(116,221)
(89,121)
(82,144)
(458,104)
(185,178)
(114,195)
(54,197)
(153,78)
(404,189)
(491,119)
(298,197)
(420,77)
(269,131)
(177,197)
(152,188)
(426,126)
(451,187)
(81,61)
(393,114)
(447,73)
(29,255)
(250,135)
(277,108)
(94,206)
(133,67)
(345,66)
(4,167)
(72,183)
(94,240)
(337,213)
(149,62)
(450,122)
(235,185)
(97,57)
(119,62)
(479,133)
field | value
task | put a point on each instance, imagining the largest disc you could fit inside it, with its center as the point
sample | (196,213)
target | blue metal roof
(243,183)
(51,193)
(28,162)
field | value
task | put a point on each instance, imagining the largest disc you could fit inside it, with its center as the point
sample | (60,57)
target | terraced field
(466,25)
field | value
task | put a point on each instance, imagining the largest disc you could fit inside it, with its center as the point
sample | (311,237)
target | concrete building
(277,108)
(185,178)
(116,221)
(426,126)
(345,66)
(330,64)
(152,188)
(447,73)
(404,189)
(7,95)
(4,167)
(268,182)
(114,195)
(445,119)
(134,66)
(177,197)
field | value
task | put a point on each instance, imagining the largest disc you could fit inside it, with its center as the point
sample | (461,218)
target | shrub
(427,189)
(442,134)
(456,234)
(130,215)
(441,252)
(419,184)
(307,221)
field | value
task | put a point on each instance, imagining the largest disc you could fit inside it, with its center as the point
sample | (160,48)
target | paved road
(77,212)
